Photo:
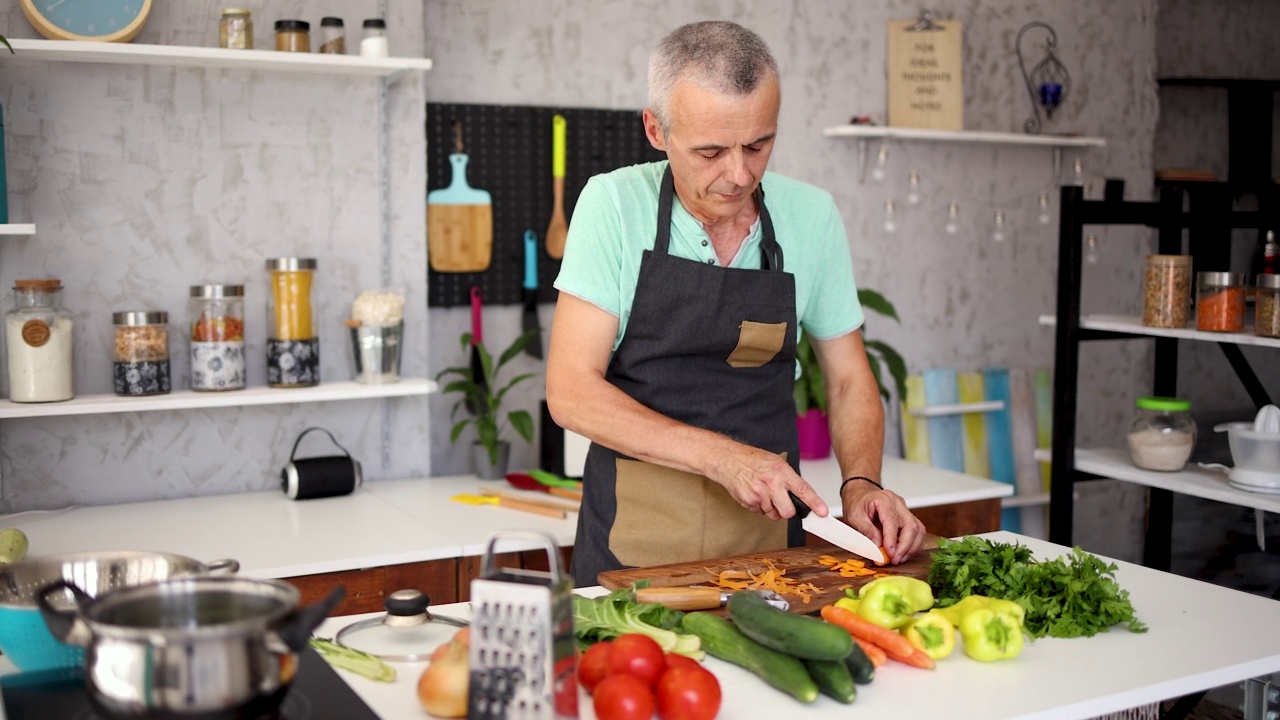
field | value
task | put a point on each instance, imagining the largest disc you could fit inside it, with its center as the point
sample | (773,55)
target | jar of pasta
(1220,301)
(142,352)
(1166,291)
(1266,321)
(217,337)
(293,347)
(38,343)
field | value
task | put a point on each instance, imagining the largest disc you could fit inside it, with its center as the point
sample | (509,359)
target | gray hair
(719,55)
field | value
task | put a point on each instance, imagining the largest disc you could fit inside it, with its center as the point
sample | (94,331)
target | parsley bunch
(1070,596)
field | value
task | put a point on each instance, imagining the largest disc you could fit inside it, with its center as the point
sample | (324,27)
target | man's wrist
(857,478)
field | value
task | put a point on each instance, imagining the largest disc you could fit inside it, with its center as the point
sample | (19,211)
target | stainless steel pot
(204,647)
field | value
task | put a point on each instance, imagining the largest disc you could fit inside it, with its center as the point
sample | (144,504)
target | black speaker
(320,477)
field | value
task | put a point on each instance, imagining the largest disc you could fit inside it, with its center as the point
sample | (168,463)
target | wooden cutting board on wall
(801,565)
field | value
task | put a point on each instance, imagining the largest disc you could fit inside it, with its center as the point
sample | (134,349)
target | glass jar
(293,36)
(235,29)
(217,337)
(1166,291)
(333,36)
(293,349)
(1162,434)
(1266,320)
(374,42)
(38,343)
(142,352)
(1220,301)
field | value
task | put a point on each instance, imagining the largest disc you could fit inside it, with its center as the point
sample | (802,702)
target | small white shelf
(189,399)
(1020,501)
(1134,326)
(962,136)
(959,409)
(18,229)
(212,57)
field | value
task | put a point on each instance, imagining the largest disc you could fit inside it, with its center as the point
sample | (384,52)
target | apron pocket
(758,343)
(668,516)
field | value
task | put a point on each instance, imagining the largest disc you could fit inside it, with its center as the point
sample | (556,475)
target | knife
(529,295)
(700,597)
(837,532)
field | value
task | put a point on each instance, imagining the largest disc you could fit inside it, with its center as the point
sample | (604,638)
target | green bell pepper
(885,605)
(931,633)
(990,635)
(918,592)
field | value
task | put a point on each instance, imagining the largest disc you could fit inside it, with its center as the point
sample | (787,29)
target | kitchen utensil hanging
(1048,83)
(408,632)
(558,229)
(459,220)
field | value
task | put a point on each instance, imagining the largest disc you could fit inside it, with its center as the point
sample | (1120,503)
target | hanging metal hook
(1049,76)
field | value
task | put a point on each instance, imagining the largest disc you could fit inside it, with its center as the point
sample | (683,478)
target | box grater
(523,651)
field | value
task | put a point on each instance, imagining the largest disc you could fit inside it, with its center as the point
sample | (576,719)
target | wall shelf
(1127,325)
(189,399)
(17,229)
(868,132)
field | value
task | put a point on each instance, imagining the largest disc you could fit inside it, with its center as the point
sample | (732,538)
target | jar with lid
(1162,434)
(1166,291)
(1220,301)
(235,29)
(38,343)
(293,36)
(142,352)
(1266,319)
(217,337)
(374,42)
(293,349)
(333,36)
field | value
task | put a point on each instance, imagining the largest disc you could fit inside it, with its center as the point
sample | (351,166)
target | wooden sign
(925,74)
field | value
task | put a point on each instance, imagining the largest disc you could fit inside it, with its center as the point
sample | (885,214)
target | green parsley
(1071,596)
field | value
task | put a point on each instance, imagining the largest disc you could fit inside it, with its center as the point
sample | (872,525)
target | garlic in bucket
(377,328)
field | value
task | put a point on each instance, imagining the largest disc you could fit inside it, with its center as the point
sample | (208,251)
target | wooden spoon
(558,229)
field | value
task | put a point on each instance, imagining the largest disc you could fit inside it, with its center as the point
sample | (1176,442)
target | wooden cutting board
(801,565)
(459,221)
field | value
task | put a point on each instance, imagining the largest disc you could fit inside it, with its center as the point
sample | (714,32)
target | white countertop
(1202,636)
(383,523)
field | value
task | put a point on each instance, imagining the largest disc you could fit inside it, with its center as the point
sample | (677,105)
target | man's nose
(737,171)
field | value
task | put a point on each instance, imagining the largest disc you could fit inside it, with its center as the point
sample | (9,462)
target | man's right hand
(759,481)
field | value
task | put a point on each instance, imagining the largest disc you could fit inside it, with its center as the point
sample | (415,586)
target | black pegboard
(509,147)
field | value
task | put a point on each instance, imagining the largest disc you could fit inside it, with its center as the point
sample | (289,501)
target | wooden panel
(437,578)
(537,560)
(925,75)
(365,589)
(969,518)
(469,569)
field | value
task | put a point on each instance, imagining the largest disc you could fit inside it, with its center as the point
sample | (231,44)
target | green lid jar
(1162,433)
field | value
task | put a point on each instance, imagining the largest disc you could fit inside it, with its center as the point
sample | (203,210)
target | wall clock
(100,20)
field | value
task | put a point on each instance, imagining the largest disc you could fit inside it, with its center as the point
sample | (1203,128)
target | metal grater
(523,651)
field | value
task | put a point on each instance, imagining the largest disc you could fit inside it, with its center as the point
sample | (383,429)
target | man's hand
(759,481)
(883,516)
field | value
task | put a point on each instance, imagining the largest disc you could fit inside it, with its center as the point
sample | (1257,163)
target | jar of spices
(1220,301)
(142,352)
(293,348)
(333,36)
(38,343)
(293,36)
(235,29)
(217,337)
(374,42)
(1162,434)
(1166,291)
(1266,321)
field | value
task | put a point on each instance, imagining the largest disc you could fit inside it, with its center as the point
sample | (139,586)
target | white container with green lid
(1162,433)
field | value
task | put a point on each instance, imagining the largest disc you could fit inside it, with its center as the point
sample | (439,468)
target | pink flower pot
(815,438)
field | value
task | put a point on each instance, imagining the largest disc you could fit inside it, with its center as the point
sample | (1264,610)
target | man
(673,344)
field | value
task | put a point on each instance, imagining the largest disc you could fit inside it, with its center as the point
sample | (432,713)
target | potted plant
(482,399)
(810,389)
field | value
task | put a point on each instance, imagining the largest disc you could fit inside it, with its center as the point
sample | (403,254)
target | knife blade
(837,532)
(700,597)
(529,294)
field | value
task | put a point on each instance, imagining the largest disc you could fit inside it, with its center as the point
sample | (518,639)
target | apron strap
(770,250)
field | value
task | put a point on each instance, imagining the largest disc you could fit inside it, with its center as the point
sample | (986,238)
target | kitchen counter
(1201,636)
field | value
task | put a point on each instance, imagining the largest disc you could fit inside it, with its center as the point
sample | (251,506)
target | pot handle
(225,566)
(297,631)
(61,622)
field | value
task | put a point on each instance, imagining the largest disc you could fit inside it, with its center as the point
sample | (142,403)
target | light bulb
(882,163)
(1077,173)
(1091,256)
(913,188)
(1045,217)
(889,224)
(953,218)
(997,231)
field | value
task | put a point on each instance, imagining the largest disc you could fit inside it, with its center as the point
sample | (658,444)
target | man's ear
(653,131)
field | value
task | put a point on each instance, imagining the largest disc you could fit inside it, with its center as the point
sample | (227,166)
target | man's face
(718,145)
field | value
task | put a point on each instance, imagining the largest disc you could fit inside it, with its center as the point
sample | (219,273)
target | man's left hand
(882,516)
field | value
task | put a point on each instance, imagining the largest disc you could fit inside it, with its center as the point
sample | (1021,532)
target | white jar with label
(38,343)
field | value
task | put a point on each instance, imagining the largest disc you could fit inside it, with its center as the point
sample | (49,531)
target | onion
(442,688)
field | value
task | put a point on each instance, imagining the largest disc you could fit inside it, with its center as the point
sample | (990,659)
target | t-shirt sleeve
(592,265)
(832,309)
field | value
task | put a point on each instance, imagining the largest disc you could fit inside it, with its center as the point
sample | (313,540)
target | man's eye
(755,148)
(711,154)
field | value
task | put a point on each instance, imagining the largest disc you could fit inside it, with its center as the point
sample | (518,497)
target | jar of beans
(217,337)
(1166,291)
(1220,301)
(1266,321)
(142,352)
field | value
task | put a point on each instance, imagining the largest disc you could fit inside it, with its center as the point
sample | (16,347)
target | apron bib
(713,347)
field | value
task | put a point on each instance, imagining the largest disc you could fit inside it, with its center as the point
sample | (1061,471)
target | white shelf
(189,399)
(212,57)
(962,136)
(1134,326)
(1019,501)
(959,409)
(18,229)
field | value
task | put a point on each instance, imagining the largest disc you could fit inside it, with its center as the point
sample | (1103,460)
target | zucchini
(833,678)
(860,666)
(723,640)
(800,636)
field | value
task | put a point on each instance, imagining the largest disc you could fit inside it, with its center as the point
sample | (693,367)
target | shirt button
(711,261)
(704,243)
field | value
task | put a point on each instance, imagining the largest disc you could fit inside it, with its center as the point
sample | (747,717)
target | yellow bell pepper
(956,613)
(918,592)
(931,633)
(990,635)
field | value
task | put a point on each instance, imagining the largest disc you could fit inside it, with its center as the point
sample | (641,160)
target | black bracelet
(859,477)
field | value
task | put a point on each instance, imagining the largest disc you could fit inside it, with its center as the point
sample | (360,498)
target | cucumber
(860,666)
(833,679)
(800,636)
(723,640)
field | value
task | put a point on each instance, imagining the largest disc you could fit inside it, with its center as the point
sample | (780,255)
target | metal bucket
(377,353)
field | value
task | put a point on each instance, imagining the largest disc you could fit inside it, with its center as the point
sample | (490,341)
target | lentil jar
(235,29)
(142,352)
(293,36)
(1266,321)
(217,337)
(293,349)
(1166,291)
(38,343)
(1220,301)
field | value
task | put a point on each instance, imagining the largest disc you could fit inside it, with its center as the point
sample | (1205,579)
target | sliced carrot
(874,652)
(894,645)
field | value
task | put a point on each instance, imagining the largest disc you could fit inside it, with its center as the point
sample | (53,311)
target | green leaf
(897,367)
(873,300)
(457,430)
(6,44)
(522,421)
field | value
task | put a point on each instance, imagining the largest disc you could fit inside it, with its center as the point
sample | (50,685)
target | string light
(998,228)
(913,188)
(882,163)
(1045,217)
(889,224)
(953,218)
(1091,256)
(1077,173)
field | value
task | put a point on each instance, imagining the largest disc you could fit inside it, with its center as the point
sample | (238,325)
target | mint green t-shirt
(616,218)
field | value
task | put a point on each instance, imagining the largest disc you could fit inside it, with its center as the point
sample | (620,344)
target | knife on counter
(529,294)
(837,532)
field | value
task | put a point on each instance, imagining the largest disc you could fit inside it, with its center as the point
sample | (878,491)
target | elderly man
(682,291)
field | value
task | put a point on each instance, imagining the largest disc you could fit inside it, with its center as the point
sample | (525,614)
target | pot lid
(407,632)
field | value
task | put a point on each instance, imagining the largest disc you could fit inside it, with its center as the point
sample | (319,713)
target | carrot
(917,658)
(873,652)
(891,642)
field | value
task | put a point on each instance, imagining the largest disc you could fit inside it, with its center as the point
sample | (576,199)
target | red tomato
(638,655)
(623,697)
(688,693)
(565,687)
(594,665)
(674,660)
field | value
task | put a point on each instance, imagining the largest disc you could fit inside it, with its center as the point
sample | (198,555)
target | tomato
(594,665)
(638,655)
(688,693)
(674,660)
(623,697)
(565,687)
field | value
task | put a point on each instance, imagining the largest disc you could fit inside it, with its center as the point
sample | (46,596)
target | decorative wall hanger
(1048,83)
